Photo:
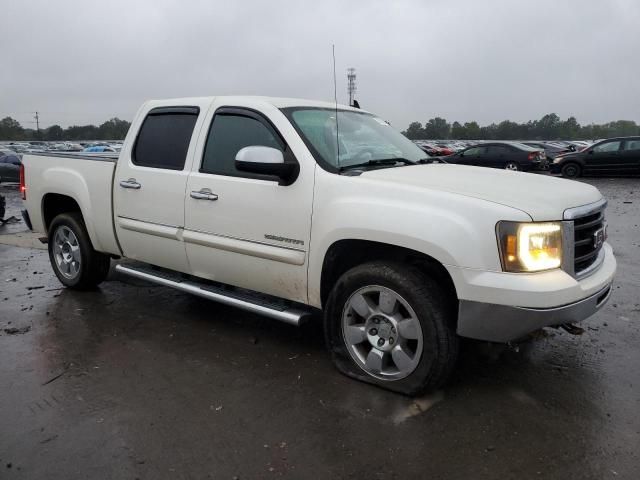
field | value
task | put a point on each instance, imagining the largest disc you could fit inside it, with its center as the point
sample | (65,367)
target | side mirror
(267,161)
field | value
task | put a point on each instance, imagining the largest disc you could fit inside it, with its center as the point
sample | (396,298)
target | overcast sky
(85,61)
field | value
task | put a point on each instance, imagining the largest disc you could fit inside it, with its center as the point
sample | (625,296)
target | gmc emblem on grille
(598,238)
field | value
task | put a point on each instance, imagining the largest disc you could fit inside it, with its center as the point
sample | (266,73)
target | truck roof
(277,102)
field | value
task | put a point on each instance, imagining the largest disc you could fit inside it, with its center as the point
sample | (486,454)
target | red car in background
(434,150)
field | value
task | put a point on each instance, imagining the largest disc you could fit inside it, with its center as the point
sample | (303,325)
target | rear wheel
(76,264)
(512,166)
(571,170)
(388,324)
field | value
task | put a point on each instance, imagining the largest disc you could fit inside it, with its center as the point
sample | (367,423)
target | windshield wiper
(378,162)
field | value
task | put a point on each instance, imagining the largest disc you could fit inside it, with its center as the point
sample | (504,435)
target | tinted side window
(632,145)
(229,133)
(163,140)
(607,147)
(473,151)
(497,150)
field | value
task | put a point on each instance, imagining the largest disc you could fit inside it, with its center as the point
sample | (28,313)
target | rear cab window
(164,138)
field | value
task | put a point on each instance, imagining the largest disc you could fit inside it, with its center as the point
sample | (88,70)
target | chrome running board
(248,300)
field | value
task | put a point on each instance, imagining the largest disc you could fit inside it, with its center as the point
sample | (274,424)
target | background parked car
(434,150)
(6,151)
(10,168)
(618,156)
(550,150)
(507,155)
(99,149)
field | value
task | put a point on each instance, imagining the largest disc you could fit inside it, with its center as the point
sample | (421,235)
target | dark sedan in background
(507,155)
(614,156)
(10,168)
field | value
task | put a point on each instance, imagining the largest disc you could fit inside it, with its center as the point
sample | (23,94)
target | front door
(245,229)
(604,158)
(472,156)
(149,185)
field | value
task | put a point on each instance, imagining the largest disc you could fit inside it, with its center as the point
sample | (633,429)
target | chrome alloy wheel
(382,333)
(66,251)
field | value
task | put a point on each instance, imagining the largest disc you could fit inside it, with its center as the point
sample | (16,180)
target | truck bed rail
(100,157)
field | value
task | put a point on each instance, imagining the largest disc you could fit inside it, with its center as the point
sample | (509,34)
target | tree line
(114,129)
(549,127)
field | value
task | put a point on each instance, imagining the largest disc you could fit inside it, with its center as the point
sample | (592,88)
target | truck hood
(540,196)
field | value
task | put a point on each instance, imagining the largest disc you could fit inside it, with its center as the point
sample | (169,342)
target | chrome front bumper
(502,323)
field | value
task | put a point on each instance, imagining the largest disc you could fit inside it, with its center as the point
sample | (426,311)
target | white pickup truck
(288,207)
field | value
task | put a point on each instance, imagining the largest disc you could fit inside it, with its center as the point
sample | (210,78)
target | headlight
(530,247)
(557,160)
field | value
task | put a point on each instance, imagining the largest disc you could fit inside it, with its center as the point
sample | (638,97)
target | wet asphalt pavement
(137,381)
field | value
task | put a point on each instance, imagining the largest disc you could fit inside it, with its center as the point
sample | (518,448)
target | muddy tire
(571,170)
(388,324)
(73,258)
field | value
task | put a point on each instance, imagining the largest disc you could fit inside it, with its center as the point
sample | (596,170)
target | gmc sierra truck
(290,207)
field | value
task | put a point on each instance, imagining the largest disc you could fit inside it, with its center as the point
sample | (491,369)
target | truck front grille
(589,236)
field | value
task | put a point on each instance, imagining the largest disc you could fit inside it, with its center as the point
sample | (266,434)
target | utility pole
(37,123)
(351,85)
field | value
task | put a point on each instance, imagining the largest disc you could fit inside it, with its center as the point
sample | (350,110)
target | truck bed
(86,178)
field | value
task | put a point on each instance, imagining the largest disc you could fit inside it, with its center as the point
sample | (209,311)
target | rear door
(497,156)
(246,229)
(631,156)
(149,186)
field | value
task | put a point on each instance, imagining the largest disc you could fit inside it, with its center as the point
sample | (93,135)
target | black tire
(514,166)
(94,266)
(429,302)
(571,170)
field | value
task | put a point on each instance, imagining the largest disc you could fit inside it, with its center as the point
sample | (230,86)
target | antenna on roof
(335,97)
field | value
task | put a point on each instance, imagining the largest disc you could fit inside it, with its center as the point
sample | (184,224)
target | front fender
(453,229)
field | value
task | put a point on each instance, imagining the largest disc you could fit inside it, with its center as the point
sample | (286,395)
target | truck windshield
(358,138)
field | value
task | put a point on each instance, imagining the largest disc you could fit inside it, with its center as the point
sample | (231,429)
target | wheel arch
(54,204)
(345,254)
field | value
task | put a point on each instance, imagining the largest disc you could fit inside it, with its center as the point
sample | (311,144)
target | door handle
(131,183)
(204,194)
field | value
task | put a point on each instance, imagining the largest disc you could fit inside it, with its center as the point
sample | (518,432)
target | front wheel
(513,166)
(571,170)
(388,324)
(76,264)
